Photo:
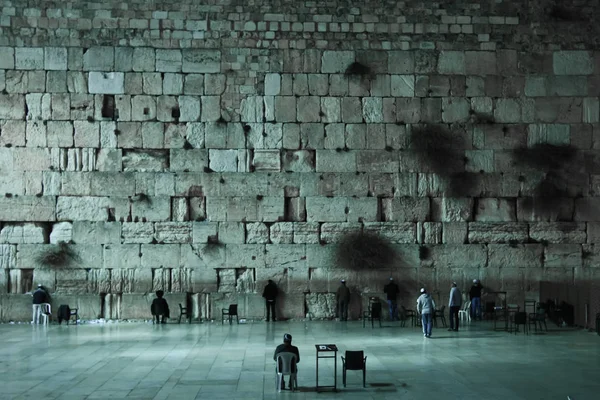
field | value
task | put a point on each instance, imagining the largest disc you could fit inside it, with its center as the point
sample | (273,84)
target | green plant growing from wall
(59,255)
(364,251)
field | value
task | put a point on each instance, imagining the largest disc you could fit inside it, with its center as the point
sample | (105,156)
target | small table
(324,351)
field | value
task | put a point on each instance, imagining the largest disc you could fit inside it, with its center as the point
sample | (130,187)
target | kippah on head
(287,337)
(343,280)
(474,280)
(422,290)
(391,279)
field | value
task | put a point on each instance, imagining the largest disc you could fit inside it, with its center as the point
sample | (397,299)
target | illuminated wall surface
(202,148)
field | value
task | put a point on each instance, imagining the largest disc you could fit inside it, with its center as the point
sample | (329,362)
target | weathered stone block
(61,232)
(572,63)
(394,232)
(306,232)
(201,61)
(451,63)
(22,233)
(267,160)
(106,83)
(558,232)
(494,209)
(12,106)
(489,232)
(458,256)
(563,256)
(157,209)
(403,85)
(451,209)
(454,232)
(257,233)
(27,208)
(333,62)
(407,209)
(168,60)
(515,256)
(173,232)
(319,209)
(30,58)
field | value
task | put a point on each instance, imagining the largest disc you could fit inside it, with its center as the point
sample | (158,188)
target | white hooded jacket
(425,304)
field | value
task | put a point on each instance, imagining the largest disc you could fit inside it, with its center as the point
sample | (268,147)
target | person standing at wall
(454,304)
(40,296)
(426,307)
(475,297)
(392,290)
(343,298)
(270,294)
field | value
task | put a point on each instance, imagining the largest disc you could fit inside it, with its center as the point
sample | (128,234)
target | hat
(391,279)
(39,285)
(475,281)
(454,284)
(287,337)
(422,290)
(343,281)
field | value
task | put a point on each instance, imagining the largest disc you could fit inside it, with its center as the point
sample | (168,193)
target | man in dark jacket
(343,298)
(270,294)
(475,296)
(40,296)
(160,308)
(392,289)
(286,347)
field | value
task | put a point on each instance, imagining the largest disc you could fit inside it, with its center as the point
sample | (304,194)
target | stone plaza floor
(213,361)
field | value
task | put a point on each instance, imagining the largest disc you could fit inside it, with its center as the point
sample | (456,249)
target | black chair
(354,361)
(230,312)
(440,314)
(537,318)
(408,314)
(184,311)
(373,314)
(520,318)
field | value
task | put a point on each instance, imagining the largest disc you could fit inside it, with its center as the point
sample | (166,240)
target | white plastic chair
(465,313)
(286,365)
(46,311)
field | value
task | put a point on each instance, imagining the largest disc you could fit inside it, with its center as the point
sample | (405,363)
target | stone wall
(203,149)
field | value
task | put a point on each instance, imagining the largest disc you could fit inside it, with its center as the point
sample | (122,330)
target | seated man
(286,347)
(160,308)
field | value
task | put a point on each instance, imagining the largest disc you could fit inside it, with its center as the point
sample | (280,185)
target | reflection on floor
(214,361)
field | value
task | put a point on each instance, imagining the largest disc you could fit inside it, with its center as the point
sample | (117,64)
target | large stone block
(558,232)
(27,208)
(335,161)
(572,63)
(201,61)
(515,256)
(494,209)
(85,232)
(394,232)
(12,106)
(333,62)
(30,58)
(8,256)
(406,209)
(458,256)
(501,232)
(321,305)
(157,208)
(319,209)
(452,209)
(193,160)
(451,63)
(563,256)
(173,232)
(23,233)
(106,82)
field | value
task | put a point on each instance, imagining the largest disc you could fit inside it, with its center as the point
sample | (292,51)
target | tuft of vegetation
(364,251)
(424,253)
(59,255)
(357,68)
(141,198)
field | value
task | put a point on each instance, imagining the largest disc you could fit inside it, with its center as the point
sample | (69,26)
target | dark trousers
(454,317)
(162,319)
(343,310)
(271,309)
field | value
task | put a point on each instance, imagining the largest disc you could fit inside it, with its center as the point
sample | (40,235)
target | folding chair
(354,361)
(230,312)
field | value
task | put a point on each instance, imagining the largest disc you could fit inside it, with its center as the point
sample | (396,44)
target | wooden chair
(230,312)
